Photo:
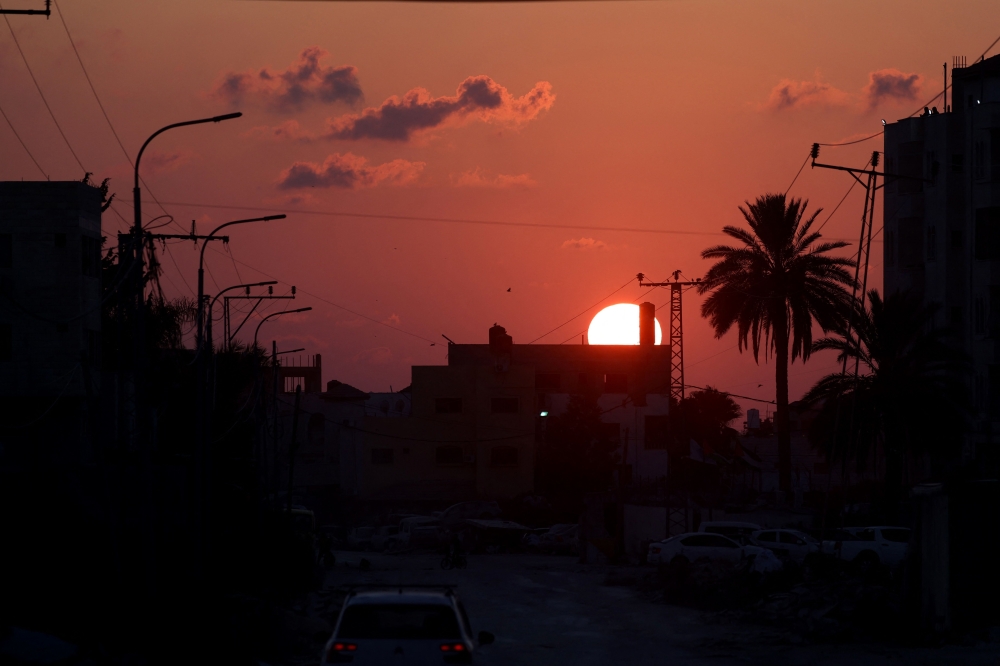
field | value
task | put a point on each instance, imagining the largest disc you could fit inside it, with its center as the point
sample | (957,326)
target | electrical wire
(21,141)
(804,162)
(41,94)
(584,312)
(100,104)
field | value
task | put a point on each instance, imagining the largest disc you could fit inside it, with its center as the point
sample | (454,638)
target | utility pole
(31,12)
(676,332)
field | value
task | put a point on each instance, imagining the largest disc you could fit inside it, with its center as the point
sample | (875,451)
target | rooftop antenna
(450,341)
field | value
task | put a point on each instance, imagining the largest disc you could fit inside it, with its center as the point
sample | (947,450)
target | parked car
(380,539)
(790,545)
(871,546)
(561,539)
(694,546)
(533,537)
(456,513)
(739,532)
(403,539)
(428,626)
(360,538)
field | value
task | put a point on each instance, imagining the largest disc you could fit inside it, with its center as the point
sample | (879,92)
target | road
(552,610)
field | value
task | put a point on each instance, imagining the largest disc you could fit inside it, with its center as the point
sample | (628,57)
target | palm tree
(906,368)
(773,288)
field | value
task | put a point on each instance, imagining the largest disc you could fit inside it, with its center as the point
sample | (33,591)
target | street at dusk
(500,332)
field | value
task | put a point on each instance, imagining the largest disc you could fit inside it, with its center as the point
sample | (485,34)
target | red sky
(659,115)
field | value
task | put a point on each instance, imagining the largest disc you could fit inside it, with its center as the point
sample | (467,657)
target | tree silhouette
(577,455)
(773,288)
(705,416)
(908,368)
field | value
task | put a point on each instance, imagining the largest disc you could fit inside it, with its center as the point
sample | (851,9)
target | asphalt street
(554,610)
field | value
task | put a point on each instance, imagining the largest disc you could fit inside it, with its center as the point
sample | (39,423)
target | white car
(736,531)
(872,546)
(380,539)
(695,546)
(787,544)
(403,625)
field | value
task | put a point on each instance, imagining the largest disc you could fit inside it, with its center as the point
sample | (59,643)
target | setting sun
(617,325)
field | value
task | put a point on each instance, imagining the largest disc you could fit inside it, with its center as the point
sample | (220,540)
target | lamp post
(211,305)
(140,429)
(200,338)
(275,314)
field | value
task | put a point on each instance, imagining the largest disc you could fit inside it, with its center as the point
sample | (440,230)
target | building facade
(50,315)
(942,225)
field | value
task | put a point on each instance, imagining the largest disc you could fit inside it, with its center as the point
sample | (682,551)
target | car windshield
(399,622)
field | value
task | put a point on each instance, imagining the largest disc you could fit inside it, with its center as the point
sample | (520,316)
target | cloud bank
(892,85)
(798,94)
(348,172)
(884,85)
(304,82)
(477,98)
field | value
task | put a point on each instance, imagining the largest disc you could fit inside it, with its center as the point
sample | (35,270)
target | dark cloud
(348,172)
(477,98)
(892,85)
(797,94)
(304,82)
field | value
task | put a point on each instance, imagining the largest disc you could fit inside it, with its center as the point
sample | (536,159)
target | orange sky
(662,115)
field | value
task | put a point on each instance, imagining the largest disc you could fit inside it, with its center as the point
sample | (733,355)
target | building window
(6,251)
(59,240)
(503,456)
(931,243)
(657,430)
(6,342)
(993,390)
(90,256)
(291,383)
(956,315)
(382,456)
(504,405)
(615,383)
(979,160)
(988,233)
(993,313)
(957,162)
(447,405)
(448,455)
(583,381)
(890,248)
(547,380)
(911,166)
(979,316)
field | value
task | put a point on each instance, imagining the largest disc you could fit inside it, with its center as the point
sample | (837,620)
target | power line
(584,312)
(42,95)
(21,141)
(90,83)
(449,220)
(804,162)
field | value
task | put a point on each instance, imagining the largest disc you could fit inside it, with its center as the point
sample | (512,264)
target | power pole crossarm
(676,333)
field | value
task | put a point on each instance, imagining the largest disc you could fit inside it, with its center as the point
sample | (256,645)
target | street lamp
(212,304)
(201,270)
(275,314)
(136,196)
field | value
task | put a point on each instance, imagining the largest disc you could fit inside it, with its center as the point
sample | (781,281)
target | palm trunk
(781,415)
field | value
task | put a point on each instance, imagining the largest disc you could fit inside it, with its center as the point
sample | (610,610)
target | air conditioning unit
(469,459)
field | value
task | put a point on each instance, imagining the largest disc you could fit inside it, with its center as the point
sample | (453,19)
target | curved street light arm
(266,218)
(239,286)
(275,314)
